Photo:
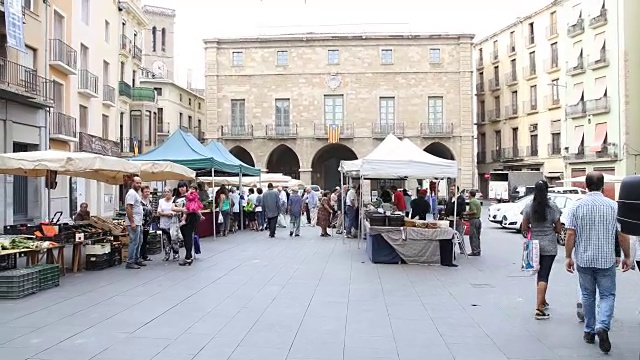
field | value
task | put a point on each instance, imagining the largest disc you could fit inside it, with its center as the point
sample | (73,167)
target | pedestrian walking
(133,220)
(475,210)
(350,211)
(591,229)
(186,221)
(259,212)
(295,213)
(312,202)
(542,219)
(271,208)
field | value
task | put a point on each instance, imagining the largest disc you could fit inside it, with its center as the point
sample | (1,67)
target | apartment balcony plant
(495,57)
(108,95)
(126,46)
(552,31)
(552,102)
(137,53)
(494,84)
(431,129)
(124,90)
(480,88)
(554,149)
(598,106)
(236,131)
(576,28)
(552,65)
(62,127)
(281,131)
(321,131)
(380,131)
(511,78)
(63,57)
(143,94)
(578,68)
(23,83)
(576,111)
(87,83)
(481,157)
(599,20)
(599,62)
(511,111)
(530,72)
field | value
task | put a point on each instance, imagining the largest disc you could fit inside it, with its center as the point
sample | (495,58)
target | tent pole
(360,231)
(342,196)
(215,218)
(241,208)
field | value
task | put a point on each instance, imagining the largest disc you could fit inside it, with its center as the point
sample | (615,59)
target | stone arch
(243,155)
(325,163)
(440,150)
(282,159)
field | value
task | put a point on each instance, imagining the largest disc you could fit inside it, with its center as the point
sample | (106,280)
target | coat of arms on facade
(333,81)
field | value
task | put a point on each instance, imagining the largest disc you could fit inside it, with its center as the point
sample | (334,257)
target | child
(193,204)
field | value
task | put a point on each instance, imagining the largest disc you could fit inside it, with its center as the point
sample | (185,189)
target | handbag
(530,255)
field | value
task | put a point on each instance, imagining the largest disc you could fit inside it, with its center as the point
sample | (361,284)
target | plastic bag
(282,221)
(530,256)
(220,218)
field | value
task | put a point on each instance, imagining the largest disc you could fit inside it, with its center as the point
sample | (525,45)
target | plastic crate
(18,283)
(48,275)
(97,262)
(8,262)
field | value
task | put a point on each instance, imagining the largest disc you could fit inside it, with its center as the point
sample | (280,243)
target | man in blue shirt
(312,202)
(295,212)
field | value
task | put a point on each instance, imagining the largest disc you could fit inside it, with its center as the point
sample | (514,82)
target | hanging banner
(13,18)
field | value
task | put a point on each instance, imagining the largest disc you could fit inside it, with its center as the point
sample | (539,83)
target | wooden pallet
(107,225)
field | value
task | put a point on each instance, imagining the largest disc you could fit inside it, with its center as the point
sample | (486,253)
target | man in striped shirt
(591,228)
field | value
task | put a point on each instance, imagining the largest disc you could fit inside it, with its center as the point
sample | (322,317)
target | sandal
(541,315)
(545,306)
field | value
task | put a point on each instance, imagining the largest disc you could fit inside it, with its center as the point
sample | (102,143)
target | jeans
(135,240)
(143,245)
(272,223)
(294,222)
(260,219)
(350,216)
(236,220)
(474,235)
(604,282)
(226,215)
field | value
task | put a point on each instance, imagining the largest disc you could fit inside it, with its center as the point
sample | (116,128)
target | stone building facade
(271,99)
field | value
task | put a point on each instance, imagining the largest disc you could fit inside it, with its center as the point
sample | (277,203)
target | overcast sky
(200,19)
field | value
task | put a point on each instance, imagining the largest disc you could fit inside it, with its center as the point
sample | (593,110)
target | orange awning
(599,137)
(578,136)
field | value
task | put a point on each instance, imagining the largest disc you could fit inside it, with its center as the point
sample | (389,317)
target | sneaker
(589,338)
(132,266)
(603,340)
(579,312)
(140,263)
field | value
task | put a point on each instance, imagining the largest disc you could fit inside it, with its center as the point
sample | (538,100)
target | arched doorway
(243,155)
(283,159)
(325,165)
(440,150)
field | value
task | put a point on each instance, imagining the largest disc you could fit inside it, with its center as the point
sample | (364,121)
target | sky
(201,19)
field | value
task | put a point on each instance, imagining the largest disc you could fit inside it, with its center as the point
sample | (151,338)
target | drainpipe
(47,8)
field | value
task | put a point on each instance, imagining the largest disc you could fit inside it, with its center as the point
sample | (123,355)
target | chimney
(189,76)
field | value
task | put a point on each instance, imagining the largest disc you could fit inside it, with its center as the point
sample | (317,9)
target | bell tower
(158,52)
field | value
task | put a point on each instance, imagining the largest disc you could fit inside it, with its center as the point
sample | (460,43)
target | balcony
(87,84)
(199,134)
(494,84)
(284,131)
(496,155)
(512,153)
(482,157)
(531,107)
(97,145)
(554,149)
(601,62)
(576,29)
(494,115)
(530,72)
(108,95)
(511,49)
(530,41)
(576,111)
(124,90)
(552,65)
(62,127)
(143,94)
(608,152)
(481,117)
(429,129)
(511,78)
(163,127)
(511,111)
(125,46)
(552,31)
(321,131)
(552,101)
(599,106)
(532,151)
(577,69)
(600,20)
(236,131)
(495,57)
(131,145)
(63,57)
(480,88)
(380,131)
(23,84)
(137,53)
(480,63)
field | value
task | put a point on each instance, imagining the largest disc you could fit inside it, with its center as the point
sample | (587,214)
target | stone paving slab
(311,298)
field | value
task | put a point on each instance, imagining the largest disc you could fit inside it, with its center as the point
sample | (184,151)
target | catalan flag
(333,132)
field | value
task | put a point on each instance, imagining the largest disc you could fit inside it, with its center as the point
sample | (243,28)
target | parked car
(496,211)
(567,190)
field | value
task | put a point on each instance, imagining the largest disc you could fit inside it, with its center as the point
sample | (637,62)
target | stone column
(305,176)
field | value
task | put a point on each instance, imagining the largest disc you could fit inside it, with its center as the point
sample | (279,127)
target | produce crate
(97,262)
(48,275)
(115,256)
(8,262)
(18,283)
(107,225)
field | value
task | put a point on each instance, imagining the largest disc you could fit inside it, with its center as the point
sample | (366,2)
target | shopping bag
(220,218)
(282,221)
(530,256)
(196,244)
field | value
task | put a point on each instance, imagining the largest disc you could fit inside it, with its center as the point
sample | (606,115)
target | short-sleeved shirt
(165,206)
(474,205)
(133,199)
(544,232)
(398,200)
(235,197)
(351,197)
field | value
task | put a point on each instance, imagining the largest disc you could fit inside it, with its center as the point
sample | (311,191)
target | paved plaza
(248,297)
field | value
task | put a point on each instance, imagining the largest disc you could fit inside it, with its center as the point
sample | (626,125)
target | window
(122,71)
(496,74)
(495,46)
(84,118)
(160,122)
(29,58)
(283,112)
(333,57)
(106,72)
(514,139)
(387,111)
(237,113)
(532,36)
(386,56)
(434,56)
(107,31)
(498,137)
(481,111)
(164,39)
(154,30)
(134,76)
(554,55)
(532,63)
(555,144)
(28,4)
(533,139)
(482,142)
(514,99)
(180,97)
(189,101)
(333,109)
(84,57)
(180,116)
(435,110)
(237,58)
(58,96)
(497,104)
(514,70)
(512,42)
(555,90)
(199,106)
(105,126)
(190,122)
(85,12)
(480,56)
(553,24)
(282,57)
(29,74)
(533,97)
(158,91)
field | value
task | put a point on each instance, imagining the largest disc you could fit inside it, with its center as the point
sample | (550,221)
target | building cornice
(151,82)
(134,11)
(159,11)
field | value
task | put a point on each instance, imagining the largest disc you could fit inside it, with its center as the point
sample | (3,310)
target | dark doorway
(326,162)
(440,150)
(284,160)
(243,155)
